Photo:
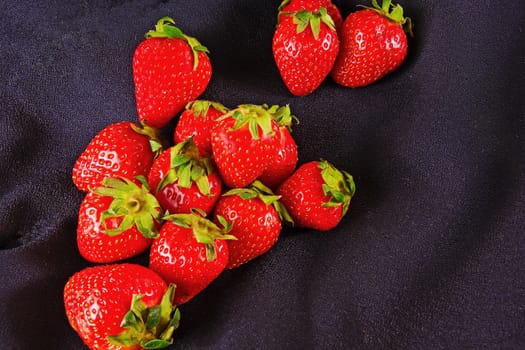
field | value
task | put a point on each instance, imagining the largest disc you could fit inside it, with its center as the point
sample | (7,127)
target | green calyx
(150,327)
(282,115)
(255,116)
(338,185)
(156,143)
(394,13)
(187,167)
(258,190)
(134,204)
(204,230)
(201,107)
(165,28)
(312,19)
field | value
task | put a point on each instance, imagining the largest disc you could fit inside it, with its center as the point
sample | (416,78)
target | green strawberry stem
(258,190)
(393,12)
(257,117)
(187,167)
(150,327)
(134,204)
(338,185)
(282,115)
(204,230)
(165,28)
(201,107)
(313,19)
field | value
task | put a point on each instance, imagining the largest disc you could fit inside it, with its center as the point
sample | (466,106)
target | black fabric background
(431,253)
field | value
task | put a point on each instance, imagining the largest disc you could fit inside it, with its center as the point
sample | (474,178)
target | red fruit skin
(165,80)
(241,159)
(284,163)
(303,61)
(116,151)
(315,5)
(97,298)
(302,194)
(371,47)
(180,259)
(197,126)
(176,199)
(96,246)
(256,226)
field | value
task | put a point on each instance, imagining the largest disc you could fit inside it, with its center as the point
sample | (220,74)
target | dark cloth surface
(432,252)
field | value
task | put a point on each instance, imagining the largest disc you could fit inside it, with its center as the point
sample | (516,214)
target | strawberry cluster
(214,197)
(312,41)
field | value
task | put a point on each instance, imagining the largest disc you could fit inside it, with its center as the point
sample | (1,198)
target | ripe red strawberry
(244,141)
(182,179)
(120,149)
(313,5)
(284,163)
(97,303)
(196,121)
(305,46)
(117,221)
(317,195)
(373,44)
(256,215)
(170,69)
(190,252)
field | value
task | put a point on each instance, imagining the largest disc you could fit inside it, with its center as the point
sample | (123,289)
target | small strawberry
(312,5)
(170,69)
(305,46)
(244,141)
(256,215)
(190,252)
(373,44)
(120,149)
(182,179)
(317,195)
(117,221)
(121,307)
(284,163)
(196,121)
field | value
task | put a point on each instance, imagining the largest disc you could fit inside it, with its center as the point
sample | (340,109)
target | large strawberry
(373,44)
(121,307)
(170,69)
(284,163)
(197,121)
(317,195)
(190,252)
(312,5)
(182,179)
(257,217)
(120,149)
(305,46)
(117,221)
(244,141)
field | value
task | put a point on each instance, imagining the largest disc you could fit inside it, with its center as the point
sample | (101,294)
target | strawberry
(182,179)
(373,44)
(312,5)
(284,163)
(196,121)
(244,141)
(170,69)
(117,221)
(257,215)
(121,307)
(190,252)
(305,46)
(120,149)
(317,195)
